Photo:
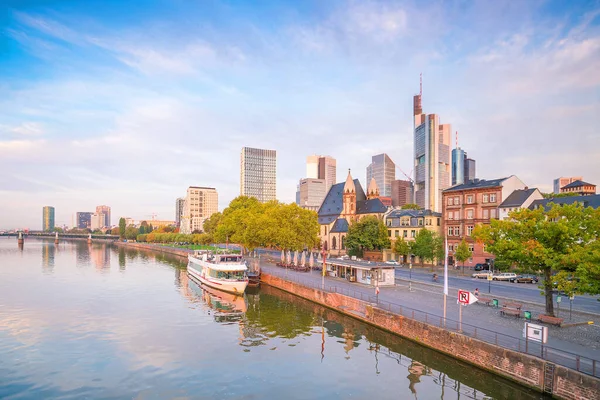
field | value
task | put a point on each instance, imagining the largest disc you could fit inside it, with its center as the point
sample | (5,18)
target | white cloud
(28,128)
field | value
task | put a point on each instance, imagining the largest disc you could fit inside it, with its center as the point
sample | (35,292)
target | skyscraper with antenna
(463,168)
(431,156)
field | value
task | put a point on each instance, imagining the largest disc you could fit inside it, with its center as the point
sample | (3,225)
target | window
(325,229)
(486,213)
(456,214)
(450,215)
(493,213)
(469,230)
(470,199)
(389,233)
(485,198)
(438,222)
(420,221)
(334,243)
(405,233)
(471,247)
(412,233)
(396,233)
(343,242)
(450,247)
(450,201)
(457,200)
(493,198)
(450,231)
(457,231)
(470,213)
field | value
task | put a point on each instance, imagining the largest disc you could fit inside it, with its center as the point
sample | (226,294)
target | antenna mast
(457,139)
(421,84)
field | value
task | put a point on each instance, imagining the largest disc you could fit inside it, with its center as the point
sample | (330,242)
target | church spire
(349,185)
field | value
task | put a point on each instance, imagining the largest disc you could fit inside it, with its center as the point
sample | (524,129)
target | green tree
(131,233)
(370,233)
(210,225)
(410,206)
(559,238)
(122,227)
(402,247)
(463,253)
(115,231)
(427,246)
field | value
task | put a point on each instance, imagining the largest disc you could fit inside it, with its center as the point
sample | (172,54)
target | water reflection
(48,254)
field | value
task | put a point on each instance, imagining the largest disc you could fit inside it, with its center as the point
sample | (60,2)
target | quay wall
(150,247)
(563,383)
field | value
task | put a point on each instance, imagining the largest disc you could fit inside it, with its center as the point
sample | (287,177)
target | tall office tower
(83,220)
(106,211)
(97,221)
(179,203)
(564,181)
(200,203)
(311,193)
(383,169)
(458,166)
(258,174)
(402,193)
(322,167)
(470,172)
(431,157)
(48,218)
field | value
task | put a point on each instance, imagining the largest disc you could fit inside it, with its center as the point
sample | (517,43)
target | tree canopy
(122,227)
(370,233)
(559,238)
(462,252)
(410,206)
(401,247)
(427,246)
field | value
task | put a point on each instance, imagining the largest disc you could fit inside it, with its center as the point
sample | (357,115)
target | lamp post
(410,274)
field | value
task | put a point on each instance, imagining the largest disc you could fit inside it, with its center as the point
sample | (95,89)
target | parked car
(481,275)
(526,278)
(504,276)
(482,267)
(392,262)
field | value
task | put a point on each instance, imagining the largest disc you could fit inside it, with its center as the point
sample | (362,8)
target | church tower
(349,197)
(372,190)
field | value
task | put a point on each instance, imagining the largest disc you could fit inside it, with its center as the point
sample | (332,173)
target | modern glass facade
(106,211)
(84,220)
(258,174)
(458,166)
(48,219)
(383,169)
(179,203)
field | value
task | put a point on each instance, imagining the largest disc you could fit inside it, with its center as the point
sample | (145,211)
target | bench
(484,300)
(513,305)
(510,311)
(550,320)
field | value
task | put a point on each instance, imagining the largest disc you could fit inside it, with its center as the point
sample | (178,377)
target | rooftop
(576,184)
(398,213)
(517,198)
(477,184)
(587,201)
(333,204)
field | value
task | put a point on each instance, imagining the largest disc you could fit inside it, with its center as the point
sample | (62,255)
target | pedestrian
(476,292)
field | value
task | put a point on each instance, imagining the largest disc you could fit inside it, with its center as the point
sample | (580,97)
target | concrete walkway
(578,340)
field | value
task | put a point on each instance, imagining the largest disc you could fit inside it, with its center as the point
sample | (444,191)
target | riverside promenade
(577,347)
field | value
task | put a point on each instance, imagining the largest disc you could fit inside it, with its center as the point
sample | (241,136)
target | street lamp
(410,273)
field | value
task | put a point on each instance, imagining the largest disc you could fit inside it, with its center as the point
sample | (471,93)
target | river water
(100,322)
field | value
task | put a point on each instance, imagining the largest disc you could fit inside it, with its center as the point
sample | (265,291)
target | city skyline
(332,78)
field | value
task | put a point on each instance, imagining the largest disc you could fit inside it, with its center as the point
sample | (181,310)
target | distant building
(470,204)
(129,221)
(383,169)
(402,193)
(200,203)
(258,174)
(48,219)
(322,167)
(564,181)
(97,221)
(520,198)
(470,169)
(580,187)
(463,168)
(106,211)
(83,220)
(179,204)
(587,201)
(311,193)
(158,223)
(431,157)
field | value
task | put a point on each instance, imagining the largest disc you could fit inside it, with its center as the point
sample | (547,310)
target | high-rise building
(463,168)
(402,193)
(83,220)
(564,181)
(322,167)
(106,211)
(470,172)
(179,204)
(97,221)
(383,169)
(200,203)
(431,158)
(48,219)
(311,193)
(258,174)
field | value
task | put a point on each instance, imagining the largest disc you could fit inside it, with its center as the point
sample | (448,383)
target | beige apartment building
(258,174)
(200,203)
(564,181)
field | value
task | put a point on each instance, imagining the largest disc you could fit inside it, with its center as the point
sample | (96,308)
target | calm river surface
(101,322)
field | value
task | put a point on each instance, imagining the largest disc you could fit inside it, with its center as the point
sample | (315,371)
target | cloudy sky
(128,103)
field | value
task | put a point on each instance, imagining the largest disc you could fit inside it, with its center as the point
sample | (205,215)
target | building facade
(406,224)
(579,187)
(179,204)
(311,193)
(48,218)
(322,167)
(97,221)
(383,169)
(200,203)
(470,169)
(83,220)
(520,198)
(345,203)
(258,174)
(463,168)
(402,193)
(472,203)
(431,158)
(106,211)
(564,181)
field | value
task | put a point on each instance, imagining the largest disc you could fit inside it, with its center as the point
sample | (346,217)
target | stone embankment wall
(150,247)
(522,368)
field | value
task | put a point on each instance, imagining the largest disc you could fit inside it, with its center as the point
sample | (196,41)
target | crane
(407,176)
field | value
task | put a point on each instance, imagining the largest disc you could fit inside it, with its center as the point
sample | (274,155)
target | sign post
(464,299)
(410,275)
(537,333)
(489,283)
(558,301)
(571,298)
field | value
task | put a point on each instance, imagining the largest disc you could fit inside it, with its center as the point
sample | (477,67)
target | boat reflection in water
(226,307)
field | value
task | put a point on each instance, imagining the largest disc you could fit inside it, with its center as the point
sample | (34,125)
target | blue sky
(128,103)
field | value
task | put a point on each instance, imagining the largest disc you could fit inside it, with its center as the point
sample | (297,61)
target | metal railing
(574,361)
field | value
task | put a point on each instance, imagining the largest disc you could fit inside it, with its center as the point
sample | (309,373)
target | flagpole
(445,278)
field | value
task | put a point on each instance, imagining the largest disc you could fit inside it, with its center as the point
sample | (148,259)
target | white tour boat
(227,272)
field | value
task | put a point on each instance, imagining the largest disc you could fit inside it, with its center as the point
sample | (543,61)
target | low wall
(161,249)
(525,369)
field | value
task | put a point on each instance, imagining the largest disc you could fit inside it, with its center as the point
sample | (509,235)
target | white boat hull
(196,270)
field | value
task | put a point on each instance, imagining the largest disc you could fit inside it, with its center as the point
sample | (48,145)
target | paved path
(581,340)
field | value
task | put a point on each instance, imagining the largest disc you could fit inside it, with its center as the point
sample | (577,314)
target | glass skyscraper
(48,219)
(383,169)
(258,174)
